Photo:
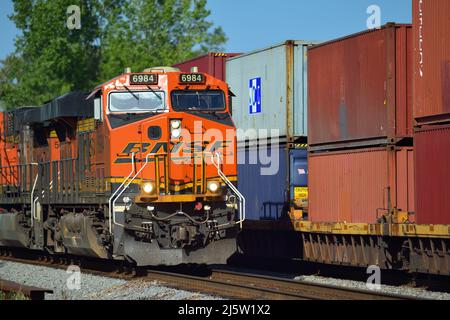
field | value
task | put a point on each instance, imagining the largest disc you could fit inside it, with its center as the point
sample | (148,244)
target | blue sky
(8,30)
(253,24)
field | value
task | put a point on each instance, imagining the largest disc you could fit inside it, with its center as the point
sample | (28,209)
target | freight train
(378,156)
(374,108)
(143,169)
(362,150)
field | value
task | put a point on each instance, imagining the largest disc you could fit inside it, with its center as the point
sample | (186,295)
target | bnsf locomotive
(143,169)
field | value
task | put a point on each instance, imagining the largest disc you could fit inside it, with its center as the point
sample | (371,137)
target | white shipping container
(270,87)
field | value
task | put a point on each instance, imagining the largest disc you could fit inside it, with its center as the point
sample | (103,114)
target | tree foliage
(50,59)
(159,32)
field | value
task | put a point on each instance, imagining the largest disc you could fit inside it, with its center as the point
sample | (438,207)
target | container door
(262,179)
(299,175)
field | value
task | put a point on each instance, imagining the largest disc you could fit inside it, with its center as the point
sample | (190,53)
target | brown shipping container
(431,20)
(432,169)
(213,63)
(360,87)
(353,186)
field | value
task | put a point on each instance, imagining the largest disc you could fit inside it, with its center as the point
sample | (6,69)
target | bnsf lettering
(219,145)
(159,146)
(195,147)
(176,147)
(136,147)
(186,148)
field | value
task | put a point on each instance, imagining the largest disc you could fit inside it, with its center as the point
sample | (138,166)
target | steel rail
(319,291)
(223,288)
(237,285)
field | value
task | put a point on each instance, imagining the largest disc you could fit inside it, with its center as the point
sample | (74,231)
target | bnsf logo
(175,148)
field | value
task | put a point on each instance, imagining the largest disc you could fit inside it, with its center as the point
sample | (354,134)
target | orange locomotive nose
(165,130)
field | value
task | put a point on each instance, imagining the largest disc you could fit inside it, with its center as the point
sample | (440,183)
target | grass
(12,296)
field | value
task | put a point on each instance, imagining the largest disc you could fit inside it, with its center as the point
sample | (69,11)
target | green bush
(12,296)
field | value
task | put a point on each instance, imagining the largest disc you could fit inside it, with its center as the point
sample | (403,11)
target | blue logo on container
(254,87)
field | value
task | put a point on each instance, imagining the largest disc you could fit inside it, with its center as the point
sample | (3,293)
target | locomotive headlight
(175,124)
(175,128)
(213,186)
(148,187)
(176,133)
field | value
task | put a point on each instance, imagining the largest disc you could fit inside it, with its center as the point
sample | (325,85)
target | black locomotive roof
(73,104)
(18,114)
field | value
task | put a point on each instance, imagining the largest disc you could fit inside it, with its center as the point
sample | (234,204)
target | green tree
(157,33)
(51,59)
(10,88)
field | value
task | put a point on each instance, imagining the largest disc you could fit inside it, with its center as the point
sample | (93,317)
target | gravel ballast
(401,290)
(92,287)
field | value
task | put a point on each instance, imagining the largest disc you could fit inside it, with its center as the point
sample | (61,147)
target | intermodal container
(360,186)
(360,87)
(431,21)
(432,169)
(267,175)
(270,91)
(212,63)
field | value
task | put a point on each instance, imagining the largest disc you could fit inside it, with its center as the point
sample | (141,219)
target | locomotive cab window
(191,100)
(136,101)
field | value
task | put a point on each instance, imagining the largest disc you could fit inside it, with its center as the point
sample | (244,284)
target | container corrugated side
(353,186)
(281,72)
(266,192)
(431,21)
(432,169)
(360,87)
(212,63)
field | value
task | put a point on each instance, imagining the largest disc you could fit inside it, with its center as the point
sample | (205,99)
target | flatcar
(142,169)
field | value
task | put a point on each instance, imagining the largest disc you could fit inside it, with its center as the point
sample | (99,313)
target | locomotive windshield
(206,100)
(136,101)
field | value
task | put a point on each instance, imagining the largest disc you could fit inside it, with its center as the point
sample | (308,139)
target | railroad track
(239,285)
(230,284)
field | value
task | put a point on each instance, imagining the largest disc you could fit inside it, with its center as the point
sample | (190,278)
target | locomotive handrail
(111,209)
(232,187)
(33,201)
(34,206)
(128,184)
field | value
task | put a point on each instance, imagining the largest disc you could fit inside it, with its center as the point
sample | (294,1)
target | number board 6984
(139,78)
(192,78)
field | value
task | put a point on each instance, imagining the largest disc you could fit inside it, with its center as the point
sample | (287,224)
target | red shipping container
(360,87)
(431,20)
(357,186)
(213,63)
(432,169)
